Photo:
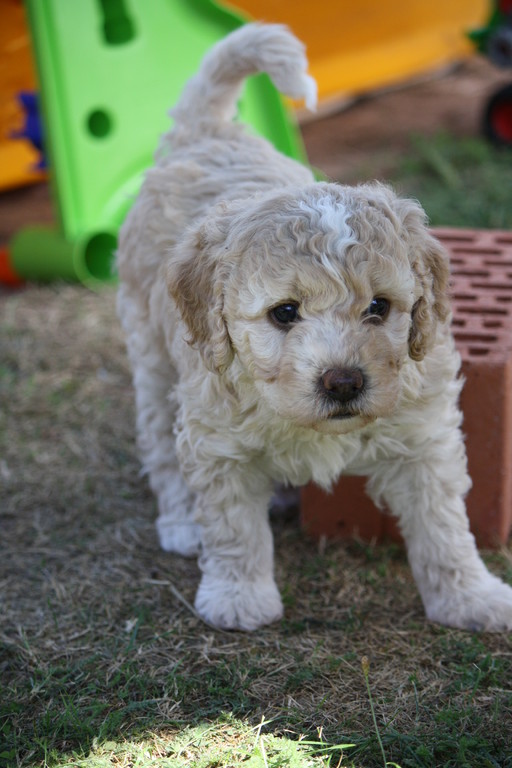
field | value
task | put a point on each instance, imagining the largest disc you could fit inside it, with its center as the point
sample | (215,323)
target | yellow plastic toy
(19,160)
(355,47)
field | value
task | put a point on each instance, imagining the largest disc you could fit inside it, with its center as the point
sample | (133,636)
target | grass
(226,742)
(461,182)
(101,661)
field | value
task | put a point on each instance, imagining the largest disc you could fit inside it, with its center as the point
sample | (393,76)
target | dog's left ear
(197,273)
(430,265)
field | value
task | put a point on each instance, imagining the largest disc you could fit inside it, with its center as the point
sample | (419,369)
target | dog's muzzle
(341,386)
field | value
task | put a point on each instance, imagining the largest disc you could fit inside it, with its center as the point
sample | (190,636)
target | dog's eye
(285,315)
(378,308)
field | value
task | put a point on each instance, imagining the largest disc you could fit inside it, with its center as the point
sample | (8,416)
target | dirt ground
(357,142)
(96,620)
(366,139)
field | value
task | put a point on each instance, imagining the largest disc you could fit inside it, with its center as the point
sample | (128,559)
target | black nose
(342,384)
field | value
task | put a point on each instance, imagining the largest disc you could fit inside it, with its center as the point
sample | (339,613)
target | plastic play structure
(19,160)
(110,69)
(495,41)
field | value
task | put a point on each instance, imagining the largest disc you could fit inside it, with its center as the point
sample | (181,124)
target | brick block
(482,325)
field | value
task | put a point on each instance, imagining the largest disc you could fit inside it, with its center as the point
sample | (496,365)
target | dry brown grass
(97,639)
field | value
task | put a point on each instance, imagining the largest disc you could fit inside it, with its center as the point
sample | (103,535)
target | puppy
(284,330)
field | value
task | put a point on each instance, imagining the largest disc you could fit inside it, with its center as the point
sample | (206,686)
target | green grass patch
(461,182)
(227,742)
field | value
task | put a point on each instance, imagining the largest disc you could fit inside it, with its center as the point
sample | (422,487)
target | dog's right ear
(196,278)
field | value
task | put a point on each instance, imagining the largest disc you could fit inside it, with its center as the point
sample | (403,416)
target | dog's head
(321,293)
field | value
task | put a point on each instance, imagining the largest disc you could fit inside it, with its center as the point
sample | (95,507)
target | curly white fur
(359,376)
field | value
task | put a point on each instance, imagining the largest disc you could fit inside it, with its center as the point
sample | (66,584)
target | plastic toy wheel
(499,47)
(498,117)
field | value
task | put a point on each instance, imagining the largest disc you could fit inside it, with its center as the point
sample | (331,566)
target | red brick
(482,325)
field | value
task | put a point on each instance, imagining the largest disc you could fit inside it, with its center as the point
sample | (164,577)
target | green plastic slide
(109,71)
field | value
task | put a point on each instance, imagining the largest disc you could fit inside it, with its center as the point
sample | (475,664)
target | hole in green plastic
(99,255)
(99,123)
(118,27)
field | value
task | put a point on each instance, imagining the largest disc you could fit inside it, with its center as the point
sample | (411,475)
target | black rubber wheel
(497,123)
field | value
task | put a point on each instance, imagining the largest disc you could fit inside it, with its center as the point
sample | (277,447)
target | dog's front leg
(426,493)
(237,589)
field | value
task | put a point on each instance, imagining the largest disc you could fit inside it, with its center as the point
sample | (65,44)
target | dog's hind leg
(153,378)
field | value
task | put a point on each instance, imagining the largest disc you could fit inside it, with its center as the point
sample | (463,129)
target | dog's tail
(213,92)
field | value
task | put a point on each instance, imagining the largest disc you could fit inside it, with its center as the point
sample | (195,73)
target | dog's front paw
(485,607)
(182,538)
(244,605)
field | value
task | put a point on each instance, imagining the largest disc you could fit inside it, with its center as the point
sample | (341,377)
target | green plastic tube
(43,254)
